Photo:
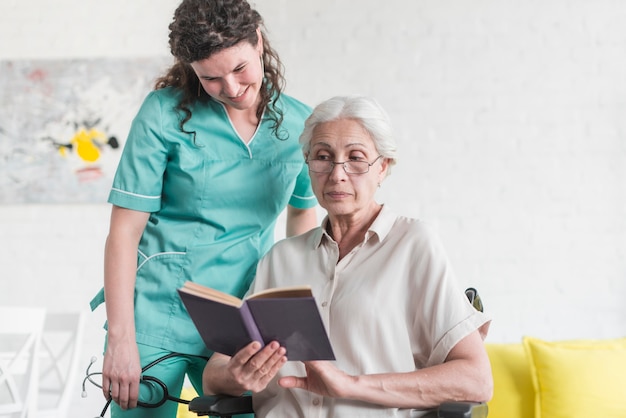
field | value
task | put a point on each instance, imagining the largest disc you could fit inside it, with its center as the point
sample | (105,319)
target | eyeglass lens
(351,167)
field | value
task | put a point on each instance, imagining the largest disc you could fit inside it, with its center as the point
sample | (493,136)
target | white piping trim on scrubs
(258,126)
(135,194)
(156,255)
(304,197)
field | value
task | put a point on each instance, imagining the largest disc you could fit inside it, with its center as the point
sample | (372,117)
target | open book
(288,315)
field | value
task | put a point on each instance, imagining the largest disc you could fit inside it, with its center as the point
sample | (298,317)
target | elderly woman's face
(338,191)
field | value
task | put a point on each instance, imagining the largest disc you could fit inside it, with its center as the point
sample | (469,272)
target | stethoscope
(166,395)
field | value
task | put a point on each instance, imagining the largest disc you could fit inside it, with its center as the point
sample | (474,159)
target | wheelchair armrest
(221,405)
(462,410)
(226,406)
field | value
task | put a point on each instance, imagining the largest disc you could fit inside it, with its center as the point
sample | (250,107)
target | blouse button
(324,304)
(316,402)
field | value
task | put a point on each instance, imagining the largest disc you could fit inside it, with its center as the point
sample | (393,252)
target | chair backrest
(474,298)
(59,375)
(20,338)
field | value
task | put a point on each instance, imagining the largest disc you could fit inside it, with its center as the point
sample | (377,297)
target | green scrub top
(213,199)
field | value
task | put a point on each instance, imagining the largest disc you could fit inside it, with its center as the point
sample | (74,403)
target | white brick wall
(510,118)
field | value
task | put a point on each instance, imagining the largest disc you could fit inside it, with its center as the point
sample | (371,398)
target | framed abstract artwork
(63,124)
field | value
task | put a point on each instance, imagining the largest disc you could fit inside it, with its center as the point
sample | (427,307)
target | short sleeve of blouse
(138,181)
(449,315)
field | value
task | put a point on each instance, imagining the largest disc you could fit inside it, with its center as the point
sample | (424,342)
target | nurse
(211,160)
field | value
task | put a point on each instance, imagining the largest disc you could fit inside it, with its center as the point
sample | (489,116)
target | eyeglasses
(350,167)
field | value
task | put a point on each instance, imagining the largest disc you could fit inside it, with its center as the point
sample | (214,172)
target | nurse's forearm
(120,265)
(300,221)
(119,285)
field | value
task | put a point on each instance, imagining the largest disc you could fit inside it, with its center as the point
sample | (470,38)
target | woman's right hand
(121,371)
(251,369)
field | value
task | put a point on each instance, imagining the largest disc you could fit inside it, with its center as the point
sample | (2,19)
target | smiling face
(340,193)
(233,76)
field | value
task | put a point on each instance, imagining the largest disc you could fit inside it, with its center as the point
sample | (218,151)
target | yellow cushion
(578,379)
(187,393)
(513,394)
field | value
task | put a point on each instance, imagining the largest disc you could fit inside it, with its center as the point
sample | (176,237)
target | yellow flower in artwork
(86,148)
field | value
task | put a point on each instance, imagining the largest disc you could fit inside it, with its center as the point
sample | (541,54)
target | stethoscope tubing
(145,378)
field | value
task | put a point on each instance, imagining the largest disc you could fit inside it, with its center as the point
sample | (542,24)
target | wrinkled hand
(251,369)
(323,378)
(121,370)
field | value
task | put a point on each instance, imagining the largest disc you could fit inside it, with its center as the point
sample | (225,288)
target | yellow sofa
(558,379)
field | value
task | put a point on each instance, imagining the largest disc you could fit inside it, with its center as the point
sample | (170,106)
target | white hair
(366,111)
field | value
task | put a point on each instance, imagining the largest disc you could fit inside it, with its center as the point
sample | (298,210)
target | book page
(209,293)
(284,292)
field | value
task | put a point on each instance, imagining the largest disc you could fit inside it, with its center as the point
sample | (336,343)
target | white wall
(510,119)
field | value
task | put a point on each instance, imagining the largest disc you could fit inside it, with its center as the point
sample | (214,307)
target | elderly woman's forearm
(426,388)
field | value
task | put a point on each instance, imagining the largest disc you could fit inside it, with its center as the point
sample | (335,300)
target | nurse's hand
(251,369)
(121,371)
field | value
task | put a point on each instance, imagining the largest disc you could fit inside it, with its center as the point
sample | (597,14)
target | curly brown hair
(201,28)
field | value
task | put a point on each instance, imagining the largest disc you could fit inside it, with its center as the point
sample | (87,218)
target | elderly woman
(404,335)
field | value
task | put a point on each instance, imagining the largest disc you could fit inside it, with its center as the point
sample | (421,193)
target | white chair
(20,337)
(59,377)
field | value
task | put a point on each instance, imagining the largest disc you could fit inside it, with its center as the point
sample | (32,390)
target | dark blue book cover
(287,315)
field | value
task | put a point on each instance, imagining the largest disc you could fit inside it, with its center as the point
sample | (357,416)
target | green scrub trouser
(172,373)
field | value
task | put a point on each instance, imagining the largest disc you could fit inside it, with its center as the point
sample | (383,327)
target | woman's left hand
(323,378)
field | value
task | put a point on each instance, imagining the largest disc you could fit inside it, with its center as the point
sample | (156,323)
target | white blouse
(390,306)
